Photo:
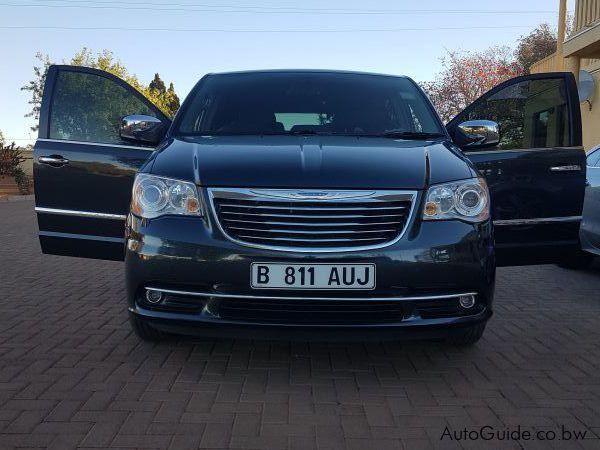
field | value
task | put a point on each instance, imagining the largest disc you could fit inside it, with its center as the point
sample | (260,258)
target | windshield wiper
(303,132)
(397,134)
(288,133)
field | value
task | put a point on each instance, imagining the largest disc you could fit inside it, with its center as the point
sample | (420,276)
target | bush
(23,181)
(11,158)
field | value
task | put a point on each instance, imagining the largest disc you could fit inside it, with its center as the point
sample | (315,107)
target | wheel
(468,336)
(577,261)
(144,330)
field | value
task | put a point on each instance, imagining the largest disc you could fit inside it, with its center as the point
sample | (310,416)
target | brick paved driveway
(73,375)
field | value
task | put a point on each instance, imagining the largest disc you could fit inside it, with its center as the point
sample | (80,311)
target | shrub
(11,158)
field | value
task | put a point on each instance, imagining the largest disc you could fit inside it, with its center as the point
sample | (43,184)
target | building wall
(587,15)
(27,165)
(591,118)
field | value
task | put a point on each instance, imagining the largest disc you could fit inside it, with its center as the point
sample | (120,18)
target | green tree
(167,102)
(36,87)
(166,99)
(173,102)
(157,84)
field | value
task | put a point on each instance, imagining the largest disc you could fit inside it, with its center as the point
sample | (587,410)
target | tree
(105,61)
(157,84)
(173,102)
(165,99)
(465,76)
(36,87)
(537,45)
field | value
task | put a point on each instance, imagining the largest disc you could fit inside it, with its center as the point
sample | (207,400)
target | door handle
(53,160)
(573,168)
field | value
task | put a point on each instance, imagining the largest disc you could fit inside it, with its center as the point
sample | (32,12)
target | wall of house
(590,118)
(27,165)
(587,15)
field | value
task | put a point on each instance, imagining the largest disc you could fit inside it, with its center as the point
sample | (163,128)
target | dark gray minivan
(318,204)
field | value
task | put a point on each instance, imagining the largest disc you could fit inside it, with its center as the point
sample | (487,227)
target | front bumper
(207,278)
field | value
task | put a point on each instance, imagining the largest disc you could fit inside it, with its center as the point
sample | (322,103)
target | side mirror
(146,130)
(477,134)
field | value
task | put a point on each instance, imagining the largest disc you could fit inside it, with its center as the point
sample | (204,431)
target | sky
(184,39)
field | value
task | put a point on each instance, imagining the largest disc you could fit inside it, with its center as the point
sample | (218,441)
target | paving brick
(72,375)
(216,435)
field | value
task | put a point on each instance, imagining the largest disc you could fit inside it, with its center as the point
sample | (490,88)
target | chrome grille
(312,220)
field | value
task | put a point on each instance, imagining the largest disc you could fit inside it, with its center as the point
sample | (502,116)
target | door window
(531,114)
(88,107)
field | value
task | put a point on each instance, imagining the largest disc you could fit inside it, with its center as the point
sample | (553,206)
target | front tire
(468,336)
(145,331)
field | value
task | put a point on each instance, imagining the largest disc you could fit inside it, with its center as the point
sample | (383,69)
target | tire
(577,261)
(145,331)
(468,336)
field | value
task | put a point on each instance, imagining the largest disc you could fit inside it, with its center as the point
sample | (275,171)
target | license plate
(312,276)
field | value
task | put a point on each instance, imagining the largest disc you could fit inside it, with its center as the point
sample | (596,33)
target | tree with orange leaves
(465,76)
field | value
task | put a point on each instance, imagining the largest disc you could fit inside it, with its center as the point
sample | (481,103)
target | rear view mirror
(477,134)
(146,130)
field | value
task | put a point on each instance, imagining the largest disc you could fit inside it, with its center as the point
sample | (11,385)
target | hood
(319,162)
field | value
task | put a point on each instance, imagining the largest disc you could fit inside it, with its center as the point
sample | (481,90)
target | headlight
(467,200)
(157,196)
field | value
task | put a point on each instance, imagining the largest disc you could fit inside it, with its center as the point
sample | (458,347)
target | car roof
(300,71)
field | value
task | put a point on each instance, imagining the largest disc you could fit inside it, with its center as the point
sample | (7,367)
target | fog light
(467,301)
(154,296)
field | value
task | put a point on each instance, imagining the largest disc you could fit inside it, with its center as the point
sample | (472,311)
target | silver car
(590,225)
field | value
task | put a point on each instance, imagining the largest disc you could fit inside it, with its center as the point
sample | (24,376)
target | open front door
(536,173)
(83,171)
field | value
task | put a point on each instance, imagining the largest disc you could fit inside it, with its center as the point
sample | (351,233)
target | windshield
(308,103)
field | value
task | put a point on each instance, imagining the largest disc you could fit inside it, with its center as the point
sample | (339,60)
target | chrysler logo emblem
(313,194)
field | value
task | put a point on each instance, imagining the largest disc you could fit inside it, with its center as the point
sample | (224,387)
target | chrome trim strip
(312,194)
(241,296)
(97,144)
(519,150)
(310,208)
(537,221)
(83,237)
(573,168)
(313,240)
(252,194)
(70,212)
(312,224)
(289,216)
(308,232)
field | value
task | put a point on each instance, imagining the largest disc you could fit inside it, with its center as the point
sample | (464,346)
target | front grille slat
(313,224)
(310,240)
(289,231)
(313,208)
(303,216)
(338,220)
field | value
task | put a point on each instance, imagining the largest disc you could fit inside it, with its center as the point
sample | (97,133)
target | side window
(531,114)
(88,107)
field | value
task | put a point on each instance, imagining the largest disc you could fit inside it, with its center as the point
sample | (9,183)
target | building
(580,51)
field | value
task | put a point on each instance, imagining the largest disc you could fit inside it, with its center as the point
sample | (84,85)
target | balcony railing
(587,12)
